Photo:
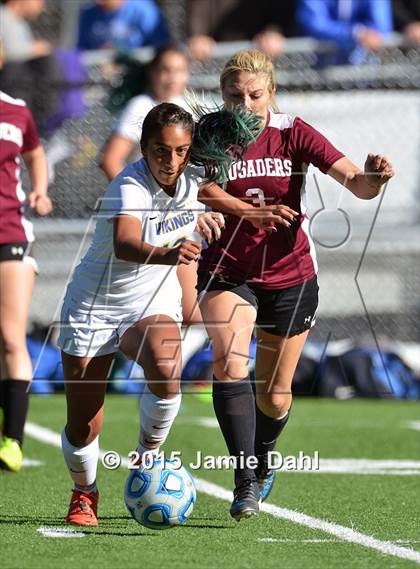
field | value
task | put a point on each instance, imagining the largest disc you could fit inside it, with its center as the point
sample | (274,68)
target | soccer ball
(162,496)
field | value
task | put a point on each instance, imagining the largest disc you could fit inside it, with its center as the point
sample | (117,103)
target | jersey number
(176,243)
(257,196)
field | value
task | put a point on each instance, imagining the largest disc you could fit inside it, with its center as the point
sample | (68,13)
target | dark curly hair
(219,138)
(163,115)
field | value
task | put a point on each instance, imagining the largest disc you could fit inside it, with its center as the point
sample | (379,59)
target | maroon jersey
(272,172)
(17,134)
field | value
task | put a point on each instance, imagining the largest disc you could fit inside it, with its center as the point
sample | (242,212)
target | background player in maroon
(251,276)
(18,137)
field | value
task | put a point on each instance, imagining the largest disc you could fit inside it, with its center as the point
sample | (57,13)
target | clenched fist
(186,253)
(379,170)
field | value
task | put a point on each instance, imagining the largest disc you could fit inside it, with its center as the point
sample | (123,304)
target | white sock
(193,338)
(156,418)
(81,462)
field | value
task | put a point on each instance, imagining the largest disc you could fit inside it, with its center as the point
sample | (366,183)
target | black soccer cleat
(245,500)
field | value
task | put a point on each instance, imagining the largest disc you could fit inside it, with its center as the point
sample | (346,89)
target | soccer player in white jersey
(125,294)
(167,76)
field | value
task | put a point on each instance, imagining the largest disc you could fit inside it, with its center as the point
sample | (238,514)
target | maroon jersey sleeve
(30,136)
(313,147)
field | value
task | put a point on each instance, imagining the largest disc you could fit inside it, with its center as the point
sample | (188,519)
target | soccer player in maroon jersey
(254,277)
(18,137)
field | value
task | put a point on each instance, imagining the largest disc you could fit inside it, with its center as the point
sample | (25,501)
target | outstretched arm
(364,184)
(261,217)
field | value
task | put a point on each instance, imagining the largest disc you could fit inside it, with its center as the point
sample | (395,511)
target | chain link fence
(368,252)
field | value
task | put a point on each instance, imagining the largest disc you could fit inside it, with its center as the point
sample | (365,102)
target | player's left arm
(211,195)
(36,162)
(364,184)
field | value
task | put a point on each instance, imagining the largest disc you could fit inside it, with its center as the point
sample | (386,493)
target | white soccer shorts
(97,333)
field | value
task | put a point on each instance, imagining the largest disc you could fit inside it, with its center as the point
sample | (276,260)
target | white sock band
(156,418)
(81,462)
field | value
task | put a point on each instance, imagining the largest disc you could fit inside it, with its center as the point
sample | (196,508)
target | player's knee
(167,370)
(230,371)
(82,438)
(12,343)
(274,404)
(81,434)
(230,366)
(169,389)
(163,361)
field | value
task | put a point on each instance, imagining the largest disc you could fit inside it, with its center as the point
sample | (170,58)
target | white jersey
(130,123)
(103,283)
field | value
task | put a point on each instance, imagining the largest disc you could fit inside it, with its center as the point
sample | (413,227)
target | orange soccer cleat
(83,509)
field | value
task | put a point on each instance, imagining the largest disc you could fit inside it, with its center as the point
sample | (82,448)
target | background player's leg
(194,335)
(16,285)
(187,276)
(275,365)
(230,321)
(155,343)
(85,384)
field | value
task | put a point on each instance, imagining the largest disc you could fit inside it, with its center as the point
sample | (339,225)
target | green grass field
(381,502)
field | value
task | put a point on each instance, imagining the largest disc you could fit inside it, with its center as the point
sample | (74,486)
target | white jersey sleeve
(126,195)
(130,123)
(134,200)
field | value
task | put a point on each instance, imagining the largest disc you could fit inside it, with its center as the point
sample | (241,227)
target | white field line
(59,532)
(285,540)
(326,465)
(342,532)
(209,422)
(27,462)
(365,466)
(339,465)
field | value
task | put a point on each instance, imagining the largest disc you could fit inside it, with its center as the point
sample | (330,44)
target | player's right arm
(129,246)
(125,137)
(114,155)
(36,162)
(35,159)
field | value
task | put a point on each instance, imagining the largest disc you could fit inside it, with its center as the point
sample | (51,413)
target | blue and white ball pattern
(162,496)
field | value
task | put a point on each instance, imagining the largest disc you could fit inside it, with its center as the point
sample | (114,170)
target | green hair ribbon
(221,137)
